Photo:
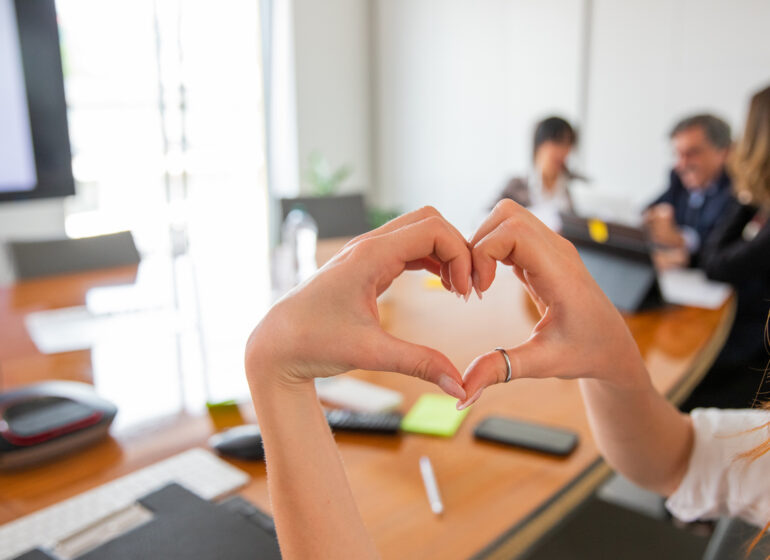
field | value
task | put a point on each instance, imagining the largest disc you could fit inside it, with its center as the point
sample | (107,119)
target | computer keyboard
(197,470)
(374,422)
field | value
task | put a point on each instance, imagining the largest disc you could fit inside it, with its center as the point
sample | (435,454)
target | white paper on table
(356,394)
(77,328)
(689,286)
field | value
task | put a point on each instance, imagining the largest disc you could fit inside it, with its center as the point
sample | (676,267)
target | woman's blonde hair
(753,455)
(750,162)
(750,169)
(758,451)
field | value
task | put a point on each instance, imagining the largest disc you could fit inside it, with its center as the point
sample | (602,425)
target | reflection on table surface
(159,339)
(161,380)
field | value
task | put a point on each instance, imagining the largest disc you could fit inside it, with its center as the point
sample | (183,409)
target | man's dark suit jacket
(705,218)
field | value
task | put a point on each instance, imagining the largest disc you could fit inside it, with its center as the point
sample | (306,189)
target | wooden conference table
(498,501)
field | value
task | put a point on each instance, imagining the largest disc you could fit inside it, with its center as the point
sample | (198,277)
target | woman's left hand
(580,334)
(330,324)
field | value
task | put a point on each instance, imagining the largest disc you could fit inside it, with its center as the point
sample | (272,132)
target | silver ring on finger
(507,364)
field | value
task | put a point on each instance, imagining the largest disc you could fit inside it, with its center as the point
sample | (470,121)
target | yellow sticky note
(434,415)
(597,229)
(433,282)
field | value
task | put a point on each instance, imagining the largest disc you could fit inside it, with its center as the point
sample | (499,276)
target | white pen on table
(431,486)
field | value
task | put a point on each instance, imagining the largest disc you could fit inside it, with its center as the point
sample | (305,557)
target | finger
(434,267)
(393,354)
(430,237)
(427,212)
(529,359)
(402,221)
(502,210)
(445,277)
(518,241)
(510,215)
(541,307)
(392,225)
(449,276)
(451,249)
(427,263)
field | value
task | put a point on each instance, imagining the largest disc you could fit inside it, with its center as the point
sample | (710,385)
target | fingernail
(470,401)
(476,283)
(451,387)
(466,296)
(478,293)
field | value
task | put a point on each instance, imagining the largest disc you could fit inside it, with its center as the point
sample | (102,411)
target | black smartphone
(554,441)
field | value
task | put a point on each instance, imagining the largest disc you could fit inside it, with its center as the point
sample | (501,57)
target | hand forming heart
(330,324)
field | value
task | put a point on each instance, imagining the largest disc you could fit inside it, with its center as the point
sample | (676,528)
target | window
(167,127)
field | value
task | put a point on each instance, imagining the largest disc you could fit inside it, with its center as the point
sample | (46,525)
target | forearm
(314,510)
(639,433)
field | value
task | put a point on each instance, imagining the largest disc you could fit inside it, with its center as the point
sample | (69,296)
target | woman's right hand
(330,324)
(580,334)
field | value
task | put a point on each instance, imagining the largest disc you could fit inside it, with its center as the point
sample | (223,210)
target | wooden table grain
(498,501)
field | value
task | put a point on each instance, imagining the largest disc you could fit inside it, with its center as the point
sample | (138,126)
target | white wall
(459,87)
(655,61)
(433,101)
(331,46)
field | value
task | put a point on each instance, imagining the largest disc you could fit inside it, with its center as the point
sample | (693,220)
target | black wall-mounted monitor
(35,155)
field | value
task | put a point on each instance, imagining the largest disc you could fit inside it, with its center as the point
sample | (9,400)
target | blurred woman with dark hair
(545,190)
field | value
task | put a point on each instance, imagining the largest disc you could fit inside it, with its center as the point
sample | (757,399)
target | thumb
(529,359)
(393,354)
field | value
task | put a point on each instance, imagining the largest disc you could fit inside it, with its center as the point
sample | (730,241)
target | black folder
(184,527)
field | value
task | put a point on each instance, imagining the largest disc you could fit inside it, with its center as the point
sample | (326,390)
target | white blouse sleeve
(717,482)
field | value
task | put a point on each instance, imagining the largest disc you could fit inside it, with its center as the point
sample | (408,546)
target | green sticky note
(435,415)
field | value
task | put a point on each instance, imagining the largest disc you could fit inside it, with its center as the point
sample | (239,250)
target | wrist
(622,368)
(272,389)
(272,346)
(266,370)
(633,379)
(268,363)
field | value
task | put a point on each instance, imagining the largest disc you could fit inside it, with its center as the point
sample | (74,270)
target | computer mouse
(242,442)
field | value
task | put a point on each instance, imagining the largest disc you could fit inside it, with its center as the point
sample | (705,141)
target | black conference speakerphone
(45,420)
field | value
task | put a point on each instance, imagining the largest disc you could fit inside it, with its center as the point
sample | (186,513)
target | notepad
(434,415)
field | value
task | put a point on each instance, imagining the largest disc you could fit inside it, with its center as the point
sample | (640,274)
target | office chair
(46,257)
(603,530)
(731,539)
(336,216)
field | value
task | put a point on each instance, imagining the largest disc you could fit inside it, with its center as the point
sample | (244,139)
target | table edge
(524,535)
